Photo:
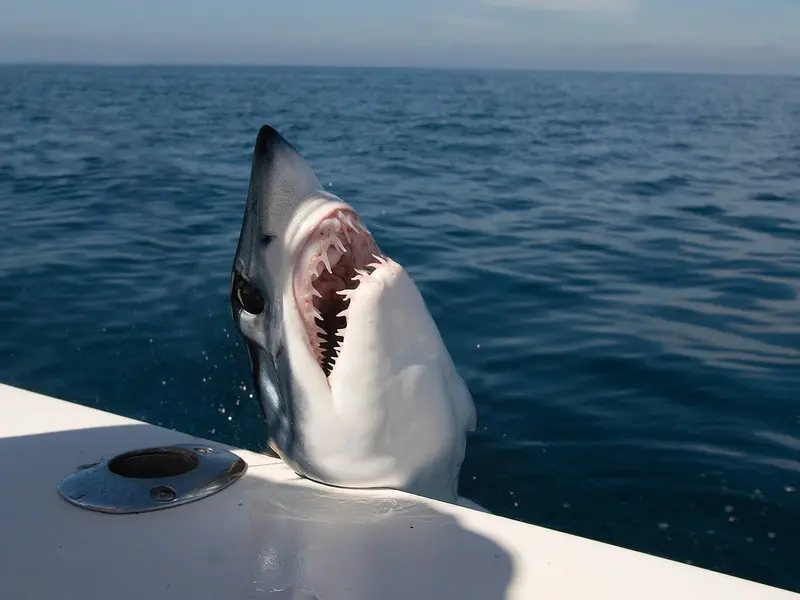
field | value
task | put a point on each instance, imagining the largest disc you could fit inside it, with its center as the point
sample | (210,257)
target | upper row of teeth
(352,225)
(333,237)
(331,241)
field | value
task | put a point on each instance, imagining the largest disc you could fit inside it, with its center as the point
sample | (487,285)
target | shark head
(354,380)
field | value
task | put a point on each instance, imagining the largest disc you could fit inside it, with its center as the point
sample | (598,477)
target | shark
(354,380)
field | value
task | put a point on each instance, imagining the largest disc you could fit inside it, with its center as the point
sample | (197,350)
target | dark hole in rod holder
(153,463)
(152,478)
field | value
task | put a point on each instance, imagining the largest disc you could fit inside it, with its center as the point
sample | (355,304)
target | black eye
(250,298)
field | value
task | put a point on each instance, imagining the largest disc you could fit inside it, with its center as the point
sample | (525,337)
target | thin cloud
(568,5)
(472,25)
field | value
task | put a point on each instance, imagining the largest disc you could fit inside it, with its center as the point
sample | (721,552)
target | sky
(672,35)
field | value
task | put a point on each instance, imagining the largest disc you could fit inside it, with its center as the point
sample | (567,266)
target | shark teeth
(353,224)
(326,260)
(338,243)
(334,256)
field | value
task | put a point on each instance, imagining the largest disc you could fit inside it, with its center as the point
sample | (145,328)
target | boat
(95,505)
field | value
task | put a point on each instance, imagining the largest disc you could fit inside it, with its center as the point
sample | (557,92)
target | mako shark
(354,380)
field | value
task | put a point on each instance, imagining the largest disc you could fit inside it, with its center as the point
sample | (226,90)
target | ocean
(612,259)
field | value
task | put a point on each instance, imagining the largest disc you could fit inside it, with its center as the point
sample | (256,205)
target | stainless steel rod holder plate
(152,478)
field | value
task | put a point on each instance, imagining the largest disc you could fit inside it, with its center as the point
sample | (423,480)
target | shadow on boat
(270,534)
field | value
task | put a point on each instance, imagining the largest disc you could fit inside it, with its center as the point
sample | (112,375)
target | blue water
(613,261)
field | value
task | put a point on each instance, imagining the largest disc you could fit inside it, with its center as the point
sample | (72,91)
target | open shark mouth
(338,255)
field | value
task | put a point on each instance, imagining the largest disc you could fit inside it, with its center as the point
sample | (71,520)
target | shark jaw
(336,256)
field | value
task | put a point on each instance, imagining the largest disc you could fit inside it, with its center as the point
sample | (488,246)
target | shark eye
(250,298)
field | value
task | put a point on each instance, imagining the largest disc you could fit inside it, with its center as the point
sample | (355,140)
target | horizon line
(644,70)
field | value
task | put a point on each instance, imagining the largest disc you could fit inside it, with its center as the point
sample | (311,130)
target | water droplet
(772,535)
(663,525)
(789,489)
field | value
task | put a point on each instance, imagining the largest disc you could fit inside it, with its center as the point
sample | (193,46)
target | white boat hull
(274,535)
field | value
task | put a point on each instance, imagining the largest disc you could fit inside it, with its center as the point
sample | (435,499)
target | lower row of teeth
(360,276)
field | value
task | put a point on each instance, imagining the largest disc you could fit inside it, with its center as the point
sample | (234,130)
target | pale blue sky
(716,35)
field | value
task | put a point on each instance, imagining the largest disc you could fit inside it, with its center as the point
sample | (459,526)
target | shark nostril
(250,298)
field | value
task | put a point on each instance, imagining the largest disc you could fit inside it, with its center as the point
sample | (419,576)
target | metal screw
(162,493)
